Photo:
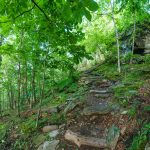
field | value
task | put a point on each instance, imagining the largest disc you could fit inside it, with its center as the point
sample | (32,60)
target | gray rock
(100,109)
(50,110)
(112,137)
(102,95)
(147,147)
(49,128)
(70,107)
(99,91)
(62,126)
(49,145)
(53,134)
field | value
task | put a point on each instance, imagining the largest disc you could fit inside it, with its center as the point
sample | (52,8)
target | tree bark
(19,87)
(26,83)
(33,85)
(0,105)
(42,97)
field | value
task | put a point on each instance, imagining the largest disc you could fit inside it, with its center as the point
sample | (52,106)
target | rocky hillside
(103,110)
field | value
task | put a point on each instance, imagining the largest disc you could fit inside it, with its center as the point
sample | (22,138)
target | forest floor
(104,110)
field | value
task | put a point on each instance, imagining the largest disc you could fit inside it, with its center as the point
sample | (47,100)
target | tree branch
(18,15)
(46,16)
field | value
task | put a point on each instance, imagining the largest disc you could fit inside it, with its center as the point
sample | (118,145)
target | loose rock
(49,128)
(53,134)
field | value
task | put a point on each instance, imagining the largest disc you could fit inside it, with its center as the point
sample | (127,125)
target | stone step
(100,91)
(81,140)
(101,109)
(102,95)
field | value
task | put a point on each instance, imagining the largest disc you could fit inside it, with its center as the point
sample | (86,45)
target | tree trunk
(9,98)
(42,97)
(0,105)
(117,36)
(19,87)
(33,85)
(134,29)
(26,84)
(12,96)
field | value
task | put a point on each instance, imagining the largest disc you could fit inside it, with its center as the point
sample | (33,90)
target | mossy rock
(39,139)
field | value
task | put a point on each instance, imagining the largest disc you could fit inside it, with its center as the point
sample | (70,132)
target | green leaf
(87,14)
(91,5)
(147,108)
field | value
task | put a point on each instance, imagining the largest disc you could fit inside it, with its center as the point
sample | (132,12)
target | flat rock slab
(81,140)
(49,128)
(100,109)
(49,145)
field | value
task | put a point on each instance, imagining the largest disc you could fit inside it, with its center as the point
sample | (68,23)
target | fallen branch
(80,140)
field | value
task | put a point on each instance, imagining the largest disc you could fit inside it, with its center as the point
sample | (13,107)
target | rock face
(142,40)
(49,145)
(147,44)
(49,128)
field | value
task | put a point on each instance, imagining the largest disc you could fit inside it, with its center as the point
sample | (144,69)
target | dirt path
(97,123)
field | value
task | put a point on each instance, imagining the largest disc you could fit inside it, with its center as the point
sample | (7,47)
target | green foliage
(28,126)
(147,108)
(134,59)
(57,119)
(147,59)
(64,84)
(3,129)
(141,139)
(20,144)
(127,58)
(109,71)
(124,93)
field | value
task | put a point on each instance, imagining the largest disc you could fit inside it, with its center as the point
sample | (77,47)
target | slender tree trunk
(30,94)
(117,36)
(9,98)
(42,96)
(26,83)
(40,90)
(19,87)
(12,96)
(3,103)
(33,85)
(0,105)
(134,30)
